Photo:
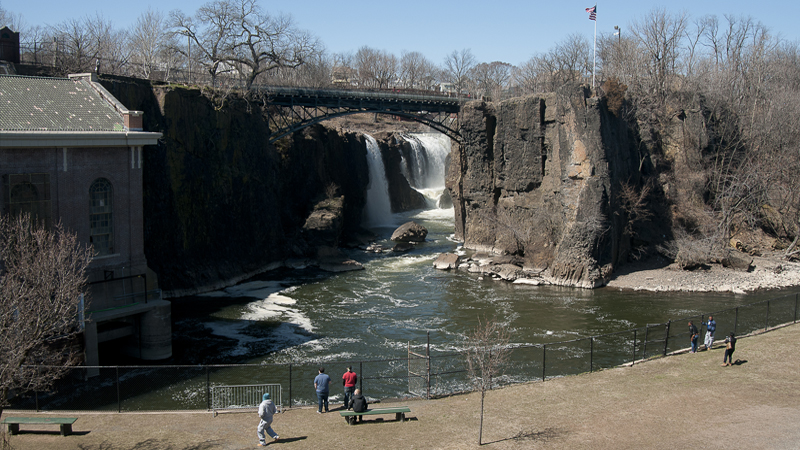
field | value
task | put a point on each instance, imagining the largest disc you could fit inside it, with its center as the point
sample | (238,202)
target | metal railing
(163,388)
(247,396)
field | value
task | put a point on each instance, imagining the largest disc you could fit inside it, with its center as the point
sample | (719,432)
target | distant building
(70,152)
(9,45)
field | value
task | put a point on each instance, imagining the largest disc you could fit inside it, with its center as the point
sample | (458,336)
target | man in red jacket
(349,381)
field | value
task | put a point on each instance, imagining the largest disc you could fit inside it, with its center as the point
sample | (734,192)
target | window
(100,218)
(28,193)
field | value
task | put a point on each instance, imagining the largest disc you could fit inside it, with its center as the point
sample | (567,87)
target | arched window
(101,219)
(28,193)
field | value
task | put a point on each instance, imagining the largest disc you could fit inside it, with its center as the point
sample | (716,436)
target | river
(309,318)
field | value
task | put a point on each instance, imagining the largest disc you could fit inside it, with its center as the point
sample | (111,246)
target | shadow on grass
(539,436)
(153,444)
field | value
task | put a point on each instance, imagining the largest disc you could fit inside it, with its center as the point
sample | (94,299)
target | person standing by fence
(730,347)
(693,332)
(349,382)
(265,411)
(711,327)
(322,385)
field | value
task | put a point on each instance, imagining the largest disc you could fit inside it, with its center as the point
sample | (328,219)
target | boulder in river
(410,232)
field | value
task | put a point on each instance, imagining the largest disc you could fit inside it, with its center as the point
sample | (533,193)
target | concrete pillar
(91,353)
(155,331)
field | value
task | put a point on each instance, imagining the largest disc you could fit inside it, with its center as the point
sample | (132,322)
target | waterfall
(378,210)
(425,168)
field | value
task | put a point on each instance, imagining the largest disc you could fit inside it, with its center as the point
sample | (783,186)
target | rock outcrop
(538,177)
(221,203)
(410,232)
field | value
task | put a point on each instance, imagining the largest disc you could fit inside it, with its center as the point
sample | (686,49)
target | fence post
(544,352)
(36,392)
(633,361)
(428,358)
(290,385)
(666,338)
(736,321)
(119,399)
(766,321)
(644,349)
(591,354)
(208,388)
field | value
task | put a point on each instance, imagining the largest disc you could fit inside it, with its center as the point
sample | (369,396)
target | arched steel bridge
(293,109)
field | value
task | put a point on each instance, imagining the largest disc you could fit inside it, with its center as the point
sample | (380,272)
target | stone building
(70,152)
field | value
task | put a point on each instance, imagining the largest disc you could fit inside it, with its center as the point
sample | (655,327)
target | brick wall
(70,179)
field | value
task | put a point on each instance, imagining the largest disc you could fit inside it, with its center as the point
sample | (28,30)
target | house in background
(70,152)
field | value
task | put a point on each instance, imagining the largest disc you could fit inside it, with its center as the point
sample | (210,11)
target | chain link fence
(182,387)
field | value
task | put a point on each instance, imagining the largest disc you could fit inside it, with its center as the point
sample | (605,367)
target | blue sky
(508,31)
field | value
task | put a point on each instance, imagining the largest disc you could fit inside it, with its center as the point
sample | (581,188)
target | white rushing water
(426,166)
(378,210)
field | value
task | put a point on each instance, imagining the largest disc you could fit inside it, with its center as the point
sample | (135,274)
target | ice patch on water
(274,307)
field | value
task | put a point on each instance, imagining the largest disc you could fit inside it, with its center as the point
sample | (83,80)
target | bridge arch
(291,109)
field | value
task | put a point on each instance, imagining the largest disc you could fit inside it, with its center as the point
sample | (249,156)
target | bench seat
(65,423)
(399,413)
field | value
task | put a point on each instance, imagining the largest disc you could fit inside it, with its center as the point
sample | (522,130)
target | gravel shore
(656,274)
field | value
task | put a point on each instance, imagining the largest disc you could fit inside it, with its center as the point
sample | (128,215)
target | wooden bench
(65,423)
(399,413)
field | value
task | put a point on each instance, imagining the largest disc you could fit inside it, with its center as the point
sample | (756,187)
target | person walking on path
(265,411)
(349,382)
(322,384)
(693,332)
(711,327)
(359,404)
(730,347)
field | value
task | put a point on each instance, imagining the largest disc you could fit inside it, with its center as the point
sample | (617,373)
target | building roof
(54,104)
(42,111)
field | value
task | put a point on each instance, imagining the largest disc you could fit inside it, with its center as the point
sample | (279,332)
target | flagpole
(594,49)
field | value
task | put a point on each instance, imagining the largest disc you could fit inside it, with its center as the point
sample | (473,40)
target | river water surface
(399,302)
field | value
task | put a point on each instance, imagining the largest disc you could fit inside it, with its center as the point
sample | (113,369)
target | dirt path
(683,401)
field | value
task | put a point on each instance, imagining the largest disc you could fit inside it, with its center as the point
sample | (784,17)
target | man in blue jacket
(711,327)
(322,384)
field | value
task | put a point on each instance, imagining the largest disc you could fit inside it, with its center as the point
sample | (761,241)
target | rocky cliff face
(538,177)
(221,203)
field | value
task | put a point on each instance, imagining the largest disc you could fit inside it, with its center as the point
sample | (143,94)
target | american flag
(592,12)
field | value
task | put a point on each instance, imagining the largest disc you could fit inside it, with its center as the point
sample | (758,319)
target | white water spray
(378,210)
(426,165)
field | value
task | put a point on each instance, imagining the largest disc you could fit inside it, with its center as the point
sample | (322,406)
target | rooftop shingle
(54,104)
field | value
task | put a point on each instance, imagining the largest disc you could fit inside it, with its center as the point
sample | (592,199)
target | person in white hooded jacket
(265,411)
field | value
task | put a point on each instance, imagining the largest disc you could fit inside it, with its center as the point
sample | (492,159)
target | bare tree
(150,41)
(659,35)
(457,68)
(487,354)
(416,71)
(108,45)
(376,68)
(11,20)
(212,30)
(265,42)
(42,276)
(491,78)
